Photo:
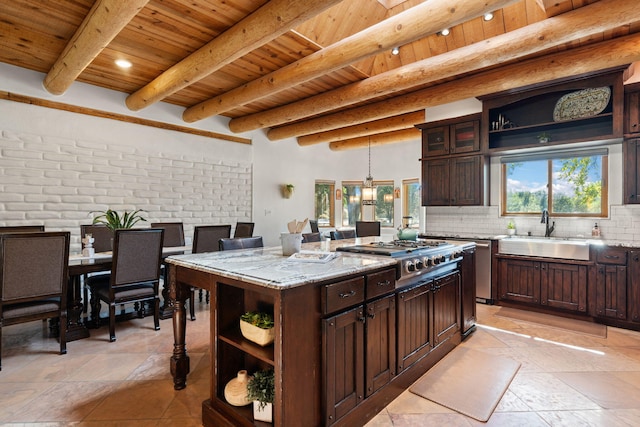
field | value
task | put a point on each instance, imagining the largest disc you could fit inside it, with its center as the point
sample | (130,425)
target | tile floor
(566,379)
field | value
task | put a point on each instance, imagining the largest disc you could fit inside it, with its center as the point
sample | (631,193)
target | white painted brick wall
(57,182)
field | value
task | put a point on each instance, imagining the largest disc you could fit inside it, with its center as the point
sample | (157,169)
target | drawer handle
(347,294)
(612,257)
(385,283)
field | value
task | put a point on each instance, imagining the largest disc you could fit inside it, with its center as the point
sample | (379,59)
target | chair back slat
(33,265)
(102,235)
(137,255)
(173,233)
(22,229)
(206,238)
(241,243)
(311,237)
(367,228)
(244,229)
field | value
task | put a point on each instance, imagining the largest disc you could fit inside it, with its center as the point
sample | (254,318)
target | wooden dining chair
(21,229)
(311,237)
(134,278)
(241,243)
(33,281)
(103,242)
(313,223)
(244,229)
(206,238)
(367,228)
(173,233)
(343,234)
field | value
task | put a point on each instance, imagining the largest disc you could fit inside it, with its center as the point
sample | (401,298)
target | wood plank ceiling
(318,70)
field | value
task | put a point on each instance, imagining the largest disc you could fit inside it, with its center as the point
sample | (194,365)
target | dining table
(81,265)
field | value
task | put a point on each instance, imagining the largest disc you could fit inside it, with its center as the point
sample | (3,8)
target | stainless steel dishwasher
(483,269)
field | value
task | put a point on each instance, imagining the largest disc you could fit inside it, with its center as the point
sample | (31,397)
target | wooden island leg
(178,293)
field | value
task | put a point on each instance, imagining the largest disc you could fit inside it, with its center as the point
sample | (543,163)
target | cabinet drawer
(341,295)
(612,256)
(380,283)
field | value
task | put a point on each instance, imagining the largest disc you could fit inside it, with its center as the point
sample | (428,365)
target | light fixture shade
(369,195)
(388,198)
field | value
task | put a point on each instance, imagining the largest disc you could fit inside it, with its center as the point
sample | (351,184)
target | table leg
(166,308)
(75,327)
(179,365)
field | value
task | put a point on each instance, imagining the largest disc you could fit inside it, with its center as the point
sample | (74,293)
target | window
(412,201)
(564,183)
(351,203)
(383,211)
(324,207)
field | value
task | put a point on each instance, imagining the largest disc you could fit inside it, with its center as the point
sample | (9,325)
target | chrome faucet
(545,220)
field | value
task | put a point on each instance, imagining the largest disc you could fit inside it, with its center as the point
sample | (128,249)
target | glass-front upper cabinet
(451,136)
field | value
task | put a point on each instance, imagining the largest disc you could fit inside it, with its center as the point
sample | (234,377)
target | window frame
(332,204)
(549,158)
(405,200)
(379,195)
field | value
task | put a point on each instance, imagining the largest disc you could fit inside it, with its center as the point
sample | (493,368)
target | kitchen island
(335,354)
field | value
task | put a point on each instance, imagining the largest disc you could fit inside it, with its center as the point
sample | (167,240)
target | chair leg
(200,295)
(63,334)
(156,313)
(207,297)
(112,322)
(95,311)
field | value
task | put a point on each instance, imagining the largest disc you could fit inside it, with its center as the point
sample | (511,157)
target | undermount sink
(548,247)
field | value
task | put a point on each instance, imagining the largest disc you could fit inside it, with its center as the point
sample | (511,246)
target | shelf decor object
(257,328)
(582,104)
(235,392)
(261,390)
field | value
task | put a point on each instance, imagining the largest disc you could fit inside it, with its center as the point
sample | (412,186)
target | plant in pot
(257,327)
(287,190)
(113,220)
(261,390)
(511,228)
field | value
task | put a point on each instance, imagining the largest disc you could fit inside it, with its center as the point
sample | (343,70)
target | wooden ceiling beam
(398,30)
(555,7)
(601,16)
(565,64)
(101,25)
(385,138)
(401,122)
(273,19)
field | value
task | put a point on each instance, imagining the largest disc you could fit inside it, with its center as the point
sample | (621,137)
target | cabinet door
(634,286)
(414,325)
(446,308)
(343,344)
(468,290)
(632,112)
(611,291)
(564,286)
(465,137)
(435,141)
(380,337)
(435,182)
(466,181)
(631,154)
(519,280)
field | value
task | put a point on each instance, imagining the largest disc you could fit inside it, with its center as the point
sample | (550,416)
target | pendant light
(369,195)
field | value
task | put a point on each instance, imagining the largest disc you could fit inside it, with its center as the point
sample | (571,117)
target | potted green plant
(287,190)
(257,327)
(511,228)
(113,220)
(261,390)
(544,137)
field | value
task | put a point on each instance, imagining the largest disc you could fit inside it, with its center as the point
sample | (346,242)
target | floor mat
(558,322)
(468,381)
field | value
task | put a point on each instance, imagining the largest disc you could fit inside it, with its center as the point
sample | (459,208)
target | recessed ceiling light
(488,16)
(395,50)
(123,63)
(445,32)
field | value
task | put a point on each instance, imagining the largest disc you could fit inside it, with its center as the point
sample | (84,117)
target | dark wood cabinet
(359,344)
(460,135)
(558,111)
(632,109)
(610,299)
(468,291)
(634,286)
(415,327)
(446,307)
(519,280)
(563,286)
(453,181)
(631,161)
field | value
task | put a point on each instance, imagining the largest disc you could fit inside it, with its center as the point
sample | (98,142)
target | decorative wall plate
(582,103)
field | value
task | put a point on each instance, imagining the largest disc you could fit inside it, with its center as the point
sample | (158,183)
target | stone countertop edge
(267,267)
(594,240)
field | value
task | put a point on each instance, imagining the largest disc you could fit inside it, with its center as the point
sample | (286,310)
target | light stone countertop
(269,268)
